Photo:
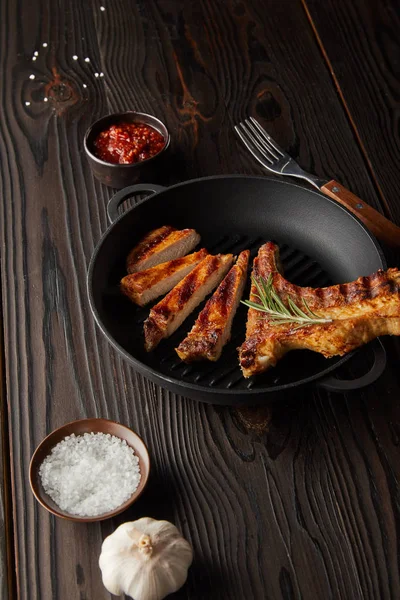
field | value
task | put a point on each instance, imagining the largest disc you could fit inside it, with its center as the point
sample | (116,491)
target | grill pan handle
(122,195)
(332,384)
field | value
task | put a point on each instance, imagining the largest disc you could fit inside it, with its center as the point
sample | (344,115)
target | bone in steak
(360,311)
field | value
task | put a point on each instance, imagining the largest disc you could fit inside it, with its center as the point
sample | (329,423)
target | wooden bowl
(79,428)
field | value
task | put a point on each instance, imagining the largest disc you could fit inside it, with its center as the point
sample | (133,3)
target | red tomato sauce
(128,143)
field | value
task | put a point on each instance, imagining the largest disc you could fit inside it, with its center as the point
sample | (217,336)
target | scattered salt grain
(31,76)
(34,57)
(84,85)
(27,103)
(75,57)
(44,44)
(87,59)
(102,8)
(45,99)
(90,474)
(36,53)
(96,74)
(101,74)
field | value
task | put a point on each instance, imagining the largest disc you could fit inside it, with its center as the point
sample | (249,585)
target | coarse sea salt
(90,474)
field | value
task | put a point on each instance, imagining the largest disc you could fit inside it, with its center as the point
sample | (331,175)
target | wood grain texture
(361,45)
(6,553)
(297,500)
(4,566)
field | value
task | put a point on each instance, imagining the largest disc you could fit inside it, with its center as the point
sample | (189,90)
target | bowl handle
(122,195)
(332,384)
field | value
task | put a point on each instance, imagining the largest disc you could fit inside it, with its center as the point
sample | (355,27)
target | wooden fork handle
(380,226)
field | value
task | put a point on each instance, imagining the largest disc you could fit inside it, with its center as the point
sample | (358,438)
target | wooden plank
(6,547)
(3,528)
(298,501)
(360,43)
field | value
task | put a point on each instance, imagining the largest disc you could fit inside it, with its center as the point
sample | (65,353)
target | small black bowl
(119,176)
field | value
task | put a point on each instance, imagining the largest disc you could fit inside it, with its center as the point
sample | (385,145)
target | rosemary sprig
(279,313)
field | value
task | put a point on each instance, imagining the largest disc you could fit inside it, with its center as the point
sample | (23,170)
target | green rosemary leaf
(308,309)
(279,305)
(260,289)
(296,309)
(280,313)
(251,304)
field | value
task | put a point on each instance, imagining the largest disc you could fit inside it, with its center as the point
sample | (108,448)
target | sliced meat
(212,329)
(358,312)
(166,316)
(147,285)
(161,245)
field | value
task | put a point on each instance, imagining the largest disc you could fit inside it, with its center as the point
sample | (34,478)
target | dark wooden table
(296,501)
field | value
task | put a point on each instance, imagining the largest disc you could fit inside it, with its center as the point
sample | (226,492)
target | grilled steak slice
(166,316)
(147,285)
(360,311)
(161,245)
(212,329)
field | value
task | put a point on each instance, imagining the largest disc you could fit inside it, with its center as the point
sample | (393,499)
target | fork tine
(248,142)
(251,139)
(264,143)
(267,137)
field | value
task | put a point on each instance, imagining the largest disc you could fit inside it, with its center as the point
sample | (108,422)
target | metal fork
(271,156)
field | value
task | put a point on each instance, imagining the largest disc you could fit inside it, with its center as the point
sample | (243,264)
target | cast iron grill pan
(320,243)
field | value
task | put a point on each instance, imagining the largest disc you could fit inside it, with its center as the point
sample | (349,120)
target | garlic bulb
(145,559)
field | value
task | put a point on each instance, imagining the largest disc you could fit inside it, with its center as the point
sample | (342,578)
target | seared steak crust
(212,328)
(166,316)
(144,286)
(161,245)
